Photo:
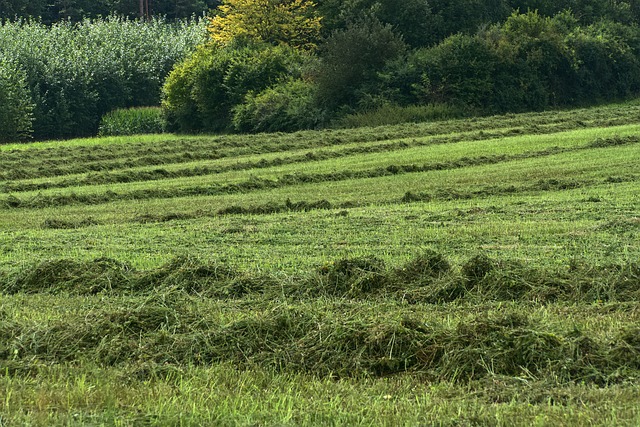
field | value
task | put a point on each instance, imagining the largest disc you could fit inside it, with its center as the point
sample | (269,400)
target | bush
(607,65)
(285,107)
(201,92)
(531,62)
(132,121)
(16,107)
(351,60)
(458,71)
(50,11)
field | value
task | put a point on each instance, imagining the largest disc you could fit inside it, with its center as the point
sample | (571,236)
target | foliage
(530,62)
(414,20)
(351,59)
(607,62)
(132,121)
(459,70)
(466,16)
(16,107)
(289,22)
(586,11)
(78,72)
(50,11)
(286,107)
(200,93)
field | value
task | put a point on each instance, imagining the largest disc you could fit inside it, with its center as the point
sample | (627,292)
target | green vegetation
(70,75)
(16,112)
(376,60)
(289,65)
(50,11)
(132,121)
(200,93)
(479,271)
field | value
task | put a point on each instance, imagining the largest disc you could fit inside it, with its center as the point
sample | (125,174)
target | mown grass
(469,272)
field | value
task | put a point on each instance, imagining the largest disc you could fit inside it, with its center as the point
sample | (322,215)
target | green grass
(482,271)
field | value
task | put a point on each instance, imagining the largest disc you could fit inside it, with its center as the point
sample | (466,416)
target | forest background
(66,65)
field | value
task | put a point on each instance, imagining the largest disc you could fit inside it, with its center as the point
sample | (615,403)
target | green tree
(200,93)
(288,22)
(414,20)
(351,59)
(78,72)
(606,61)
(466,16)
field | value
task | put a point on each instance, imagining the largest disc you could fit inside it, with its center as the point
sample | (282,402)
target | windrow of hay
(254,183)
(326,341)
(61,224)
(106,172)
(63,160)
(426,278)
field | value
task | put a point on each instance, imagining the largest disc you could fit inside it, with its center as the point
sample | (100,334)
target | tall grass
(132,121)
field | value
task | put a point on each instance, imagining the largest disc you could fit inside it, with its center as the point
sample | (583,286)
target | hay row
(325,342)
(427,278)
(252,184)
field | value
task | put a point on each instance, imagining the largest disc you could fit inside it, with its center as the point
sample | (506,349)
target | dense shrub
(78,72)
(351,59)
(16,107)
(286,107)
(415,20)
(607,63)
(587,11)
(201,92)
(530,62)
(132,121)
(458,71)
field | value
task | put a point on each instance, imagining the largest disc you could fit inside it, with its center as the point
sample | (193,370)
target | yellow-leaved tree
(289,22)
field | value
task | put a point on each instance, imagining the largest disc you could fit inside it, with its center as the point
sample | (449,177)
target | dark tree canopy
(75,10)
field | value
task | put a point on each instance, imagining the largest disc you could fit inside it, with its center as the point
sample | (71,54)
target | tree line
(284,65)
(464,56)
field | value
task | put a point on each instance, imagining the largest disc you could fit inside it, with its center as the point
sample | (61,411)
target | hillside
(478,271)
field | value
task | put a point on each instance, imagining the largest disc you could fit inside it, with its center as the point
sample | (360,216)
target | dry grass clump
(426,278)
(273,207)
(60,224)
(89,277)
(349,277)
(194,276)
(327,340)
(165,217)
(509,345)
(423,268)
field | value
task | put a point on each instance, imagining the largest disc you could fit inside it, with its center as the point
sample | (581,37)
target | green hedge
(530,62)
(286,107)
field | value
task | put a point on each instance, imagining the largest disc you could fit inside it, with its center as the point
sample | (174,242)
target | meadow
(480,271)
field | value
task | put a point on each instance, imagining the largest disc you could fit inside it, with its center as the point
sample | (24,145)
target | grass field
(469,272)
